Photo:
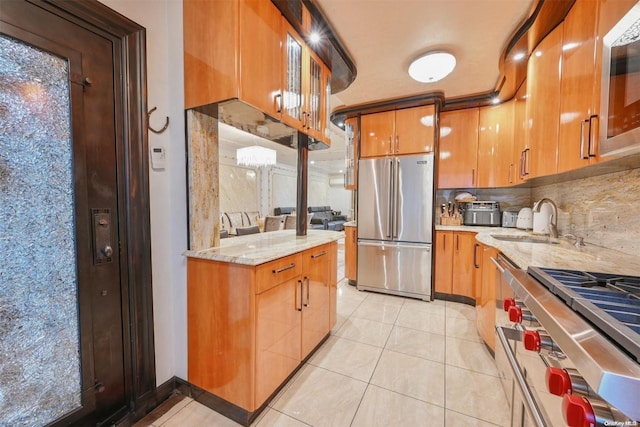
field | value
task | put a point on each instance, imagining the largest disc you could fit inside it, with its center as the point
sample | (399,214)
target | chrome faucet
(553,223)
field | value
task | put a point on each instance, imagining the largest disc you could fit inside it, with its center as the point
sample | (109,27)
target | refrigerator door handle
(396,190)
(390,212)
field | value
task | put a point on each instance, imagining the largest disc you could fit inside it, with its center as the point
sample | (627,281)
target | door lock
(102,249)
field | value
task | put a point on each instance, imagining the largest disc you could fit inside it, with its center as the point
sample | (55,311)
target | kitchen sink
(525,239)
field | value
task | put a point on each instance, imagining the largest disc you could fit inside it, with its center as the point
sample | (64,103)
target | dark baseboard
(352,282)
(148,402)
(228,409)
(455,298)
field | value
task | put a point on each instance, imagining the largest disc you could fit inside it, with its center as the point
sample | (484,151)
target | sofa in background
(325,219)
(283,211)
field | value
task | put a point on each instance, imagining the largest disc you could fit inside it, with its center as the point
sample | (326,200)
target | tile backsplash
(603,209)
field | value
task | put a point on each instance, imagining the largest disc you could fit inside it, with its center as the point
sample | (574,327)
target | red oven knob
(508,303)
(515,314)
(531,339)
(558,381)
(577,411)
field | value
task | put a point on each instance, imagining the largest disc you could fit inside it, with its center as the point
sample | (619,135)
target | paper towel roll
(542,219)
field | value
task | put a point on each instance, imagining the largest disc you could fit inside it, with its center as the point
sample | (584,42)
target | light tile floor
(390,361)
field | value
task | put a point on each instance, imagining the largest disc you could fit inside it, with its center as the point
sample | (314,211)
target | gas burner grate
(610,302)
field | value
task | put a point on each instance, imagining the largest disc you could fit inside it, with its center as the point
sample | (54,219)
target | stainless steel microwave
(620,100)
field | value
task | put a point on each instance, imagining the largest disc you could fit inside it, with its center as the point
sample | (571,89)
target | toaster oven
(485,213)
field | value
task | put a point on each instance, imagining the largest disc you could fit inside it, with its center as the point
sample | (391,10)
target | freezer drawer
(395,268)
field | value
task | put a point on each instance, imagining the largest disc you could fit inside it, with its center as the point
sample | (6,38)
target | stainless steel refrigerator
(395,216)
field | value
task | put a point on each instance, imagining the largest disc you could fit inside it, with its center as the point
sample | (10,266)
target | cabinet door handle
(473,176)
(526,161)
(509,176)
(457,242)
(583,155)
(278,99)
(444,242)
(475,255)
(593,135)
(314,256)
(299,308)
(306,279)
(280,270)
(397,144)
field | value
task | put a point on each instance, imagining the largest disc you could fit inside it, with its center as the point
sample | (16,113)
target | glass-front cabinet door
(313,121)
(292,99)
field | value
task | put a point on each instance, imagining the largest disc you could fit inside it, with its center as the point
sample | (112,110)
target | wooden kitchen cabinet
(399,132)
(543,104)
(580,88)
(496,165)
(415,130)
(304,81)
(260,55)
(520,148)
(278,331)
(232,49)
(458,151)
(249,327)
(377,134)
(315,298)
(455,265)
(246,49)
(486,298)
(443,273)
(352,132)
(351,253)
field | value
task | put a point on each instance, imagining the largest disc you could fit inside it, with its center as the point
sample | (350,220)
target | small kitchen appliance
(510,217)
(542,219)
(485,213)
(525,219)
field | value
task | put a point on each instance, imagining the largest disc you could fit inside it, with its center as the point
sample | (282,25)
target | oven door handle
(530,404)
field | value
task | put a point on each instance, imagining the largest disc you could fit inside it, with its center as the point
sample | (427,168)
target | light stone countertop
(350,224)
(255,249)
(563,255)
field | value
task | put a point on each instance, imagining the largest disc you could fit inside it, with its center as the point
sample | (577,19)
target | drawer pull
(314,256)
(280,270)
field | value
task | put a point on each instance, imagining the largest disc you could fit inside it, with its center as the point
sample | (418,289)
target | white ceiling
(384,36)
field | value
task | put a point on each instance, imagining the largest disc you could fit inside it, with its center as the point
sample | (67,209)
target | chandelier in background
(255,156)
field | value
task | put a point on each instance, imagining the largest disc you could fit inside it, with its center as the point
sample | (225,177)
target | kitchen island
(258,306)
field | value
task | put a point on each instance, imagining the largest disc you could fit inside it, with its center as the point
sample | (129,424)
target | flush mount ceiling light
(432,66)
(255,156)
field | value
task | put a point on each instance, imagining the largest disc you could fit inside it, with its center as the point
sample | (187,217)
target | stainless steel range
(569,351)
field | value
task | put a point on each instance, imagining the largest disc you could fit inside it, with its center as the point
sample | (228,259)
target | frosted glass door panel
(40,378)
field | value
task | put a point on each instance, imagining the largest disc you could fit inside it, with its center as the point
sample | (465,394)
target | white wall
(165,82)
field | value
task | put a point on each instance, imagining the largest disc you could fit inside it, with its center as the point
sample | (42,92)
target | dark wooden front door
(113,371)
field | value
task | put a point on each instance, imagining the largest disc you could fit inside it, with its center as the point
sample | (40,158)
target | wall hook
(166,123)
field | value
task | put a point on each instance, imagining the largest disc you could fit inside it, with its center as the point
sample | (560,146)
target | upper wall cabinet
(246,49)
(458,149)
(520,147)
(305,80)
(580,87)
(233,49)
(406,131)
(496,166)
(352,134)
(543,104)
